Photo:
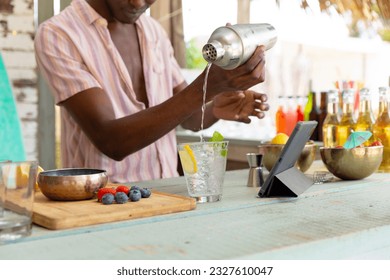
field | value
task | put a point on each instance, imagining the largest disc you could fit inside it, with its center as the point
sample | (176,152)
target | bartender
(121,92)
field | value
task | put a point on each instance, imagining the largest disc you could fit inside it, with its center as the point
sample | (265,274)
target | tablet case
(284,179)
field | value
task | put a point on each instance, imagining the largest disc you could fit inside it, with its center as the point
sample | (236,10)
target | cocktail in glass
(204,166)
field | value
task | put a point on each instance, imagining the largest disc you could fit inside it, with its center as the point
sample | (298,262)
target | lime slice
(188,160)
(217,137)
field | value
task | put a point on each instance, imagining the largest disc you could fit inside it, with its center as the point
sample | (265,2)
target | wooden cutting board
(69,214)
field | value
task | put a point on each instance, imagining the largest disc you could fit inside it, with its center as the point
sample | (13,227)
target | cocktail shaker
(231,46)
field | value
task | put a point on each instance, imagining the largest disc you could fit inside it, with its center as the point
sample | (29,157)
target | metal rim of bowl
(69,172)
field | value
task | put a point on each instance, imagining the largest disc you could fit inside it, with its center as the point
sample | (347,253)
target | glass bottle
(331,121)
(291,116)
(322,114)
(280,117)
(299,112)
(314,116)
(309,103)
(347,121)
(381,128)
(365,120)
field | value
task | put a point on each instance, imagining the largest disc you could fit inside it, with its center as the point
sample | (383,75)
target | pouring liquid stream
(204,100)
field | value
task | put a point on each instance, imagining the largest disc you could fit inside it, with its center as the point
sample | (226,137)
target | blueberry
(108,198)
(121,197)
(135,188)
(145,193)
(135,195)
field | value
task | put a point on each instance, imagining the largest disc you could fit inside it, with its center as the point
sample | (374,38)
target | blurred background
(321,45)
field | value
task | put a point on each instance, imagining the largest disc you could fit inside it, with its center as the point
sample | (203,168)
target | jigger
(255,178)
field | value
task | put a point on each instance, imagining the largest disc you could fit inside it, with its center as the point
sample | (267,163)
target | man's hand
(238,106)
(240,78)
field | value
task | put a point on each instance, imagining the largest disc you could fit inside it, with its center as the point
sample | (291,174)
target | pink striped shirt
(75,52)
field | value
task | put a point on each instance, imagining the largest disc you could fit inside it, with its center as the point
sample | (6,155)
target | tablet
(292,181)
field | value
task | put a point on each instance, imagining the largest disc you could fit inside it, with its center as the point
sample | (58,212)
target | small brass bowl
(272,152)
(71,184)
(352,164)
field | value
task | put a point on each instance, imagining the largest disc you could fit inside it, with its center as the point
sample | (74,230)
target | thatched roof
(374,14)
(365,10)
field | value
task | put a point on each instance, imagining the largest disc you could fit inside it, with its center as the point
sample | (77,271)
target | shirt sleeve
(61,64)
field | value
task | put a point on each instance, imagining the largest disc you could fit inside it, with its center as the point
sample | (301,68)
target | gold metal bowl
(352,164)
(272,152)
(71,184)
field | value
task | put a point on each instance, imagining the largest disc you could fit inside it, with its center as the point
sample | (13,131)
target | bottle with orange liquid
(299,112)
(381,128)
(291,116)
(280,117)
(347,121)
(365,120)
(331,121)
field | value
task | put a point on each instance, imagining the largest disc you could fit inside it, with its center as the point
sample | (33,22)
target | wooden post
(64,4)
(46,112)
(170,16)
(243,11)
(46,107)
(160,10)
(177,32)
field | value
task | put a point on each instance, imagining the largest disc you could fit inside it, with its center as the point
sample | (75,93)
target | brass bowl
(71,184)
(272,152)
(352,164)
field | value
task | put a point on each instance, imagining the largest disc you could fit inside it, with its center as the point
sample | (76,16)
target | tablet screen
(290,153)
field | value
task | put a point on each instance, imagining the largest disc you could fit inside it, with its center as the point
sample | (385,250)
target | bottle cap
(348,96)
(333,96)
(364,94)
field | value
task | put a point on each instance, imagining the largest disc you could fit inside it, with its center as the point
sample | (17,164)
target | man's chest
(126,41)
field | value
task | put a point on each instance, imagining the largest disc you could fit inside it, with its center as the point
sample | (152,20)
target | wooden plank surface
(69,214)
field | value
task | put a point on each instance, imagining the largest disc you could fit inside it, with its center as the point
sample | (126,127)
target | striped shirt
(74,52)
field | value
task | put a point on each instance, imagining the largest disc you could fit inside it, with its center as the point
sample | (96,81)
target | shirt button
(102,22)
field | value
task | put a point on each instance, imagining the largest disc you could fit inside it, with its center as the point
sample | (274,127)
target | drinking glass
(17,181)
(204,166)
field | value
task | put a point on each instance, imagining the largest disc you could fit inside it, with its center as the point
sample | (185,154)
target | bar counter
(334,220)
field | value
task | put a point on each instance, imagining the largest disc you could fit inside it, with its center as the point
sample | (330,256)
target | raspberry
(124,189)
(121,197)
(145,193)
(108,198)
(135,195)
(103,191)
(376,143)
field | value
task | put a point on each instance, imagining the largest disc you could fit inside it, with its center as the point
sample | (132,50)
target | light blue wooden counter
(337,220)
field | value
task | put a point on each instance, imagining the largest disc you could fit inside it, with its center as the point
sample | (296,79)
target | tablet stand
(289,183)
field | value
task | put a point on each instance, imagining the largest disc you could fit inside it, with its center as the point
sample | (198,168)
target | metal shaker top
(213,50)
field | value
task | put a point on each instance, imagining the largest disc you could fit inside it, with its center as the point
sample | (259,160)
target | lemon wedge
(188,160)
(280,139)
(22,173)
